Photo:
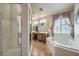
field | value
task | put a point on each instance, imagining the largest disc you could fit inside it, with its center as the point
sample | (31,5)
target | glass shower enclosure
(10,29)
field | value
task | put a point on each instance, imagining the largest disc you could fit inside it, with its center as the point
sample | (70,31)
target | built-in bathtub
(62,45)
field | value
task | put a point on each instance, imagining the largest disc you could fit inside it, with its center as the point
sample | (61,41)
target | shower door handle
(19,38)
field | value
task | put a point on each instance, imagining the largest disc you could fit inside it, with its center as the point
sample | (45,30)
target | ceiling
(49,9)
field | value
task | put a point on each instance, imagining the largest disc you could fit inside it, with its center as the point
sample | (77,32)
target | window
(77,24)
(62,25)
(57,26)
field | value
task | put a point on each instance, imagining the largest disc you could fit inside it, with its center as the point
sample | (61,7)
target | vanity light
(43,21)
(35,22)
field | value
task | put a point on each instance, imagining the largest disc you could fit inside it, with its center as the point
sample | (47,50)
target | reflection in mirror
(43,21)
(40,25)
(35,26)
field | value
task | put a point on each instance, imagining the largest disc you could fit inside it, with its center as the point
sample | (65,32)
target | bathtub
(12,52)
(62,45)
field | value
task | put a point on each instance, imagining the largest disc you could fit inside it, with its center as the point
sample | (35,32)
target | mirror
(40,25)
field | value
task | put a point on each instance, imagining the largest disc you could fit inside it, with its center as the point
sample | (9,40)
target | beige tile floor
(40,49)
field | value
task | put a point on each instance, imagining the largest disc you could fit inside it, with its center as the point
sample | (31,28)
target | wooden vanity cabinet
(42,36)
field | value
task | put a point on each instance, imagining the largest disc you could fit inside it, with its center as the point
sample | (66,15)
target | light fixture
(35,22)
(43,21)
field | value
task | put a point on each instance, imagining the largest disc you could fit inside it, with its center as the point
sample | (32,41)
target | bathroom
(39,29)
(14,33)
(55,25)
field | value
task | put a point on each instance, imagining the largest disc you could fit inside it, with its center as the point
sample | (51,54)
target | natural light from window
(62,25)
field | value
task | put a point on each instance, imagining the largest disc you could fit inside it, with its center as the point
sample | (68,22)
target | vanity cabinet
(34,35)
(40,36)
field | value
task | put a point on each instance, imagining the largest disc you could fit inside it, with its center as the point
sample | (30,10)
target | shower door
(11,29)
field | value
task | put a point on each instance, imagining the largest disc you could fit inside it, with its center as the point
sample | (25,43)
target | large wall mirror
(40,25)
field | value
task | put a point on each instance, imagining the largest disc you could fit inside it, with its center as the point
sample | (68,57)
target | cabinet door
(44,37)
(39,36)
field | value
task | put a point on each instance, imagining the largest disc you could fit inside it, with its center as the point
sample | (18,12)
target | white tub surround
(62,46)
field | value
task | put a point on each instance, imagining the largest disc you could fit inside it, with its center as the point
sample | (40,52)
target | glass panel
(11,37)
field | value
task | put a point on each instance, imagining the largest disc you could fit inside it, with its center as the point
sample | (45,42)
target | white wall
(0,37)
(25,30)
(49,20)
(5,21)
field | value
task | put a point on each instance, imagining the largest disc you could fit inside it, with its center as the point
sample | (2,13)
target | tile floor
(40,49)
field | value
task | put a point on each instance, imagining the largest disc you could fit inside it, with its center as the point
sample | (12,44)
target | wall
(0,31)
(0,37)
(5,21)
(25,30)
(49,22)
